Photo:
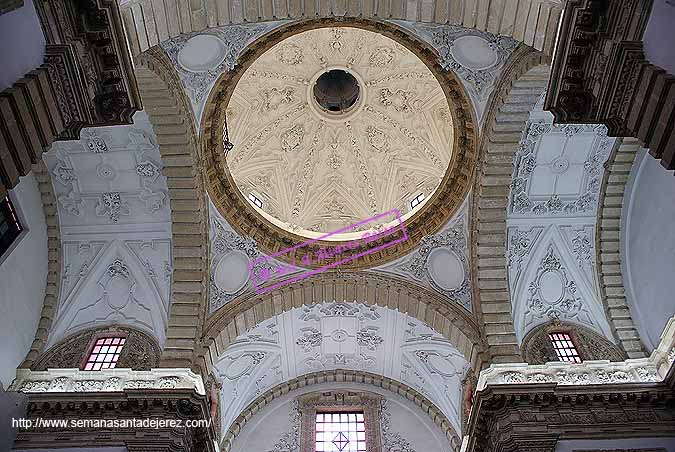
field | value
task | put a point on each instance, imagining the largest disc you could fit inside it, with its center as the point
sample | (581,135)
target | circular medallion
(117,292)
(559,165)
(231,272)
(339,335)
(445,269)
(473,52)
(201,53)
(551,287)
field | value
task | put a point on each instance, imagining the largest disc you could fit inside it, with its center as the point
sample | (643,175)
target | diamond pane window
(340,432)
(10,228)
(564,347)
(104,353)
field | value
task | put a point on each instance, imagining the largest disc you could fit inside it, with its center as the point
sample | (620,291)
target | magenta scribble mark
(367,237)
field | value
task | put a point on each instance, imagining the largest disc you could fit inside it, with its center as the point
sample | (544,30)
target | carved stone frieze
(112,380)
(122,401)
(90,66)
(601,75)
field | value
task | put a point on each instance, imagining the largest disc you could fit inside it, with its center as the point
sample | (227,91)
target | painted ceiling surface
(338,335)
(316,172)
(115,221)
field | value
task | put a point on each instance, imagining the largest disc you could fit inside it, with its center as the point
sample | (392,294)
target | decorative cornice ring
(270,238)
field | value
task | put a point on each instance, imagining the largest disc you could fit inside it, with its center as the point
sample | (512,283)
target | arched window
(562,341)
(105,348)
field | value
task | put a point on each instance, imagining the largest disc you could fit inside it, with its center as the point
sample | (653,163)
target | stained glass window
(10,228)
(564,347)
(340,432)
(104,353)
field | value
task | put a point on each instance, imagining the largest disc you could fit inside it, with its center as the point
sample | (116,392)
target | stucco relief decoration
(113,181)
(392,440)
(290,441)
(230,255)
(325,170)
(199,58)
(553,295)
(441,262)
(114,218)
(340,335)
(551,176)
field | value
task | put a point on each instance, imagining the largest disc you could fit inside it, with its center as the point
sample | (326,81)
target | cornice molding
(107,380)
(243,217)
(633,398)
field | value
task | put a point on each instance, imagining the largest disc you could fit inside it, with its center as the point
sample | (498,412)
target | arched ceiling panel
(114,216)
(340,335)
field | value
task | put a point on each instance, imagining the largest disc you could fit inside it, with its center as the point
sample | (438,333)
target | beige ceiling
(315,172)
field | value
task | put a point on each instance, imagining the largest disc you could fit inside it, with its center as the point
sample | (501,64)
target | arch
(537,347)
(49,206)
(341,376)
(607,246)
(448,319)
(245,220)
(521,85)
(171,116)
(534,23)
(140,351)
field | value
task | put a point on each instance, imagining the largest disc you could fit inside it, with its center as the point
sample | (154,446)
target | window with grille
(10,227)
(340,432)
(564,348)
(105,351)
(255,200)
(417,200)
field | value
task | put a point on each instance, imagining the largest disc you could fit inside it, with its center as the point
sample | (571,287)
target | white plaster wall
(266,427)
(616,444)
(23,278)
(22,44)
(648,246)
(660,35)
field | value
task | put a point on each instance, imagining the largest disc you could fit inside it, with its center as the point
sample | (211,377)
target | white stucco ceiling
(338,335)
(552,207)
(113,210)
(316,171)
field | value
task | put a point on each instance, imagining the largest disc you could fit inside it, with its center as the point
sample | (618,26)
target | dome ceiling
(318,164)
